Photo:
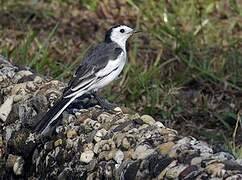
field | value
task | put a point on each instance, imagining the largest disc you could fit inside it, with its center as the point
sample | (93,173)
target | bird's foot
(105,103)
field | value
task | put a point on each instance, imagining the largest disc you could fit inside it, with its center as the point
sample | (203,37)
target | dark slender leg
(104,103)
(81,102)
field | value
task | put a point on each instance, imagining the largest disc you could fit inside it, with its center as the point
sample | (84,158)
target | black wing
(95,59)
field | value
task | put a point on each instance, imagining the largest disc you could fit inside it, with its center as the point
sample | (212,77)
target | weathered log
(92,143)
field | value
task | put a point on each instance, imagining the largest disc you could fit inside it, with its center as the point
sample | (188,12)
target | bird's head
(119,34)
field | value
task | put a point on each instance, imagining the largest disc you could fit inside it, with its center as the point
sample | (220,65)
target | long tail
(51,117)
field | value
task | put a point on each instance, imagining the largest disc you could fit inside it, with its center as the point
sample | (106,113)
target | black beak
(135,32)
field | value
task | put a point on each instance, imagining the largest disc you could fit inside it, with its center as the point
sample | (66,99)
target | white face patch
(121,34)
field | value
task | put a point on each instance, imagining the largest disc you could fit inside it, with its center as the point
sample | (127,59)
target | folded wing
(95,61)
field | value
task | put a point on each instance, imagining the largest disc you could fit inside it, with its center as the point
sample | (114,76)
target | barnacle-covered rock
(142,151)
(6,108)
(91,143)
(16,163)
(87,156)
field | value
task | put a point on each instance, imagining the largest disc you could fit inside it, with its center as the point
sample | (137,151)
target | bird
(100,66)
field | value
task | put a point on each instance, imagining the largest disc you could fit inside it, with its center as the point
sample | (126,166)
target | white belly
(109,69)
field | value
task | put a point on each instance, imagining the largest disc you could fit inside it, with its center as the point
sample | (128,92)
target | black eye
(122,30)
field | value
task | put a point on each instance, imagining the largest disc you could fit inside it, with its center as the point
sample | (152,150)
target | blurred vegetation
(185,69)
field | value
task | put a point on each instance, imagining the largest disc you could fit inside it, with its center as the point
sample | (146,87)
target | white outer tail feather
(46,129)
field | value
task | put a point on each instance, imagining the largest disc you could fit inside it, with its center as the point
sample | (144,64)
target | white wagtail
(100,66)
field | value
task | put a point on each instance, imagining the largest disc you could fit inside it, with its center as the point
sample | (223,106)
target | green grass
(184,69)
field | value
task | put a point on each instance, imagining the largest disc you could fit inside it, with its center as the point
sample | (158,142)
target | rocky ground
(92,143)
